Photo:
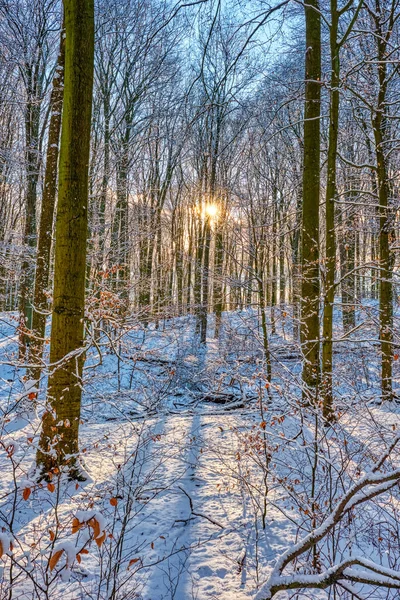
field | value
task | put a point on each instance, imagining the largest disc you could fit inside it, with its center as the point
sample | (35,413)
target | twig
(196,514)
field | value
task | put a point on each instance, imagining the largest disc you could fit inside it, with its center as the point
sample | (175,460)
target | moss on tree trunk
(59,436)
(310,287)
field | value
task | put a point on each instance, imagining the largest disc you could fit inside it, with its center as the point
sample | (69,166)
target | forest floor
(198,470)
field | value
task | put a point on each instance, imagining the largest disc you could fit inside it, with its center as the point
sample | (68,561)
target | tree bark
(32,118)
(311,189)
(40,297)
(58,445)
(330,256)
(386,257)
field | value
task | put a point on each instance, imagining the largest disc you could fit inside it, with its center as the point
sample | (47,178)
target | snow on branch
(370,485)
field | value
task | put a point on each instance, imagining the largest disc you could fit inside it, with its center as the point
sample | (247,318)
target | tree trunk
(274,285)
(205,281)
(32,116)
(296,269)
(311,189)
(385,235)
(218,274)
(47,217)
(58,445)
(330,256)
(119,234)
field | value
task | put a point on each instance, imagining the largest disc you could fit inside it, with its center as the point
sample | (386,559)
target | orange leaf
(76,525)
(396,357)
(52,535)
(99,540)
(133,561)
(54,559)
(51,487)
(84,551)
(10,450)
(96,527)
(113,501)
(1,549)
(78,558)
(32,395)
(152,545)
(26,493)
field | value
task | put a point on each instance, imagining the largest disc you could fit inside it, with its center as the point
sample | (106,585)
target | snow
(175,443)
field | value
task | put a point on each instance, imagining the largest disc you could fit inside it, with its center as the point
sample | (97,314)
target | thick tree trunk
(58,445)
(386,234)
(40,299)
(311,190)
(385,261)
(32,117)
(330,256)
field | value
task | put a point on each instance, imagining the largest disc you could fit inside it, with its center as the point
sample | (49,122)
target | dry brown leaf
(133,561)
(76,525)
(54,559)
(100,540)
(96,529)
(26,493)
(93,523)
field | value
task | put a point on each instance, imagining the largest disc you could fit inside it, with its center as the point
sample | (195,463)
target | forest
(199,299)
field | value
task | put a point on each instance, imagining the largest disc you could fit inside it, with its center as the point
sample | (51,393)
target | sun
(211,210)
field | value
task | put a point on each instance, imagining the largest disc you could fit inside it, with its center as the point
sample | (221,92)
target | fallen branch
(197,514)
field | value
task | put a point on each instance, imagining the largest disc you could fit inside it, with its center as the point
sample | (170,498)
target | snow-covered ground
(200,471)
